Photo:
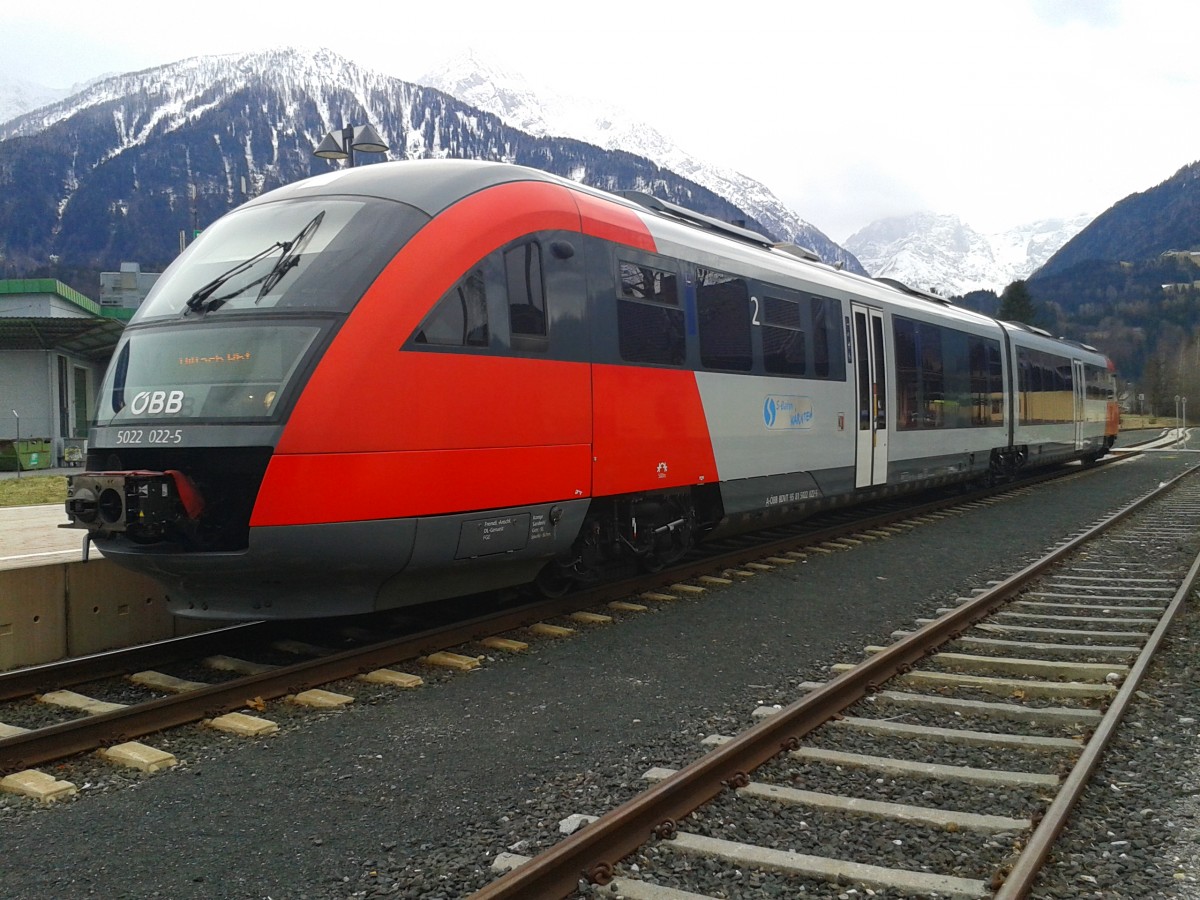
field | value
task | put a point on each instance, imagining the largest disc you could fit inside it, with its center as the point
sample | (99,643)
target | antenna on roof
(797,251)
(914,292)
(692,217)
(1025,326)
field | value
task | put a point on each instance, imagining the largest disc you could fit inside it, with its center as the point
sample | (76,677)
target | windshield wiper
(203,301)
(291,255)
(196,302)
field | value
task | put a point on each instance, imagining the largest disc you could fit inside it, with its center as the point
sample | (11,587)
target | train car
(409,381)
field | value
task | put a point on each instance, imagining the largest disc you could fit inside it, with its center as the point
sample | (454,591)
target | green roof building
(54,346)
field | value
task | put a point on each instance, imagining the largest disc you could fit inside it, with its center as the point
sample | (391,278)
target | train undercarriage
(645,532)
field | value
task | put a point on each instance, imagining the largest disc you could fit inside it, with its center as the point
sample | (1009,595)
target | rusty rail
(592,853)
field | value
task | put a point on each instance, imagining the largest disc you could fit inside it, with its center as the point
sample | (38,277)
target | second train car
(409,381)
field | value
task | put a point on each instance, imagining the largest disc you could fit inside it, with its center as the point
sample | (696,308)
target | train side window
(828,343)
(921,374)
(932,377)
(526,291)
(640,282)
(905,333)
(986,386)
(1046,386)
(784,350)
(957,404)
(821,317)
(459,319)
(650,322)
(723,308)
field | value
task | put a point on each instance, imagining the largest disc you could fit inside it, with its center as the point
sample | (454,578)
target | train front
(202,384)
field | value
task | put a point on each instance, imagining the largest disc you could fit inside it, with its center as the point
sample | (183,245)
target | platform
(30,536)
(52,604)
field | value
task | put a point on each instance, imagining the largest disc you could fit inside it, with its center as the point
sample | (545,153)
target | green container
(25,454)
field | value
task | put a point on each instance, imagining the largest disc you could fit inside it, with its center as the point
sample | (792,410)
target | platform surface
(30,536)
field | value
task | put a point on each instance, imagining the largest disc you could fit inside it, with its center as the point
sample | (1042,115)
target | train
(410,381)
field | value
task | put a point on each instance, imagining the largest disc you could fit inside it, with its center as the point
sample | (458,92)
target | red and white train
(409,381)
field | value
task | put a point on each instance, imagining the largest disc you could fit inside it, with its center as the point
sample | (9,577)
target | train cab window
(784,350)
(459,319)
(1098,383)
(526,293)
(650,322)
(723,308)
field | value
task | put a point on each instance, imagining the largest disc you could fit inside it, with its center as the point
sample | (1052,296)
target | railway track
(945,764)
(230,674)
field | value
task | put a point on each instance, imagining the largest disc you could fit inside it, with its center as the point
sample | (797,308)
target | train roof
(430,185)
(434,185)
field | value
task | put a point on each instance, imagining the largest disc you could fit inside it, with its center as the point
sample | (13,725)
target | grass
(1130,421)
(32,490)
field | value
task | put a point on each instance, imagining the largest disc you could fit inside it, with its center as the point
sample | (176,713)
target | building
(54,346)
(125,289)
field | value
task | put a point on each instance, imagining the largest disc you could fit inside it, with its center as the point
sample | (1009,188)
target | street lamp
(17,444)
(1177,398)
(342,144)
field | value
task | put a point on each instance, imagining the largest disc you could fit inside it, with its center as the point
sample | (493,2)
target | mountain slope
(479,82)
(943,254)
(1140,227)
(18,96)
(120,169)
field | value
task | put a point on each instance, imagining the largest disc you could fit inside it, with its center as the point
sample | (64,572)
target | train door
(1079,385)
(870,375)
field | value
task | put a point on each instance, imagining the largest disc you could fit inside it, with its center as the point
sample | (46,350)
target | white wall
(26,387)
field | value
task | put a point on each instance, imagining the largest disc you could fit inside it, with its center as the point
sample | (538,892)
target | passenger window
(647,283)
(784,352)
(650,324)
(824,312)
(723,305)
(460,318)
(526,291)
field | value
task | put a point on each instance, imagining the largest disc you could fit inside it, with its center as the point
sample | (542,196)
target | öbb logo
(154,402)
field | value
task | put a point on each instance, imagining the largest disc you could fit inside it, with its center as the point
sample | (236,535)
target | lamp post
(1177,412)
(342,144)
(17,445)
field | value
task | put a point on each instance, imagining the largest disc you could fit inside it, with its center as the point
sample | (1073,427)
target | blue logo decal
(782,412)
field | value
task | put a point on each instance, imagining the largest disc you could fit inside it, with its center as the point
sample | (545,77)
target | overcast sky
(999,111)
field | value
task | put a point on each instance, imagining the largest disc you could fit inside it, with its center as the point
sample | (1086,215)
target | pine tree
(1016,304)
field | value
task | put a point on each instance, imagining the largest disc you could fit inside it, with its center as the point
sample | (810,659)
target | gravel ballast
(412,794)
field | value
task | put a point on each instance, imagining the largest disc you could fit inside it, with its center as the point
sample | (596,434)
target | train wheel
(552,582)
(670,547)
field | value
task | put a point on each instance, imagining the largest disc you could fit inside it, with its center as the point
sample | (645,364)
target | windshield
(203,372)
(319,253)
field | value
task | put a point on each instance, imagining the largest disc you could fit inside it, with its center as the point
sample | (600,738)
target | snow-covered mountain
(128,167)
(18,96)
(941,253)
(480,82)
